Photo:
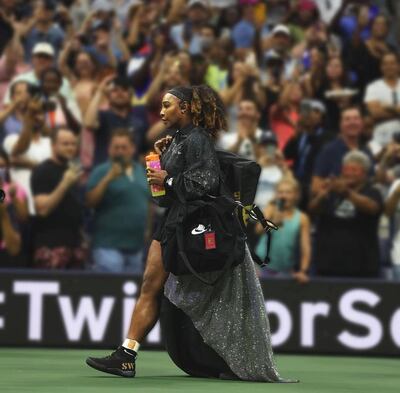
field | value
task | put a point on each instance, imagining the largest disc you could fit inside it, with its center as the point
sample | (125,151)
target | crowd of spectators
(312,93)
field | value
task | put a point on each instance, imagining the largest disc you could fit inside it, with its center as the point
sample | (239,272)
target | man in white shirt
(382,98)
(242,139)
(29,148)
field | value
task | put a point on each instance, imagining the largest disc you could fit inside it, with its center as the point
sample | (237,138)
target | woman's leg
(145,315)
(146,311)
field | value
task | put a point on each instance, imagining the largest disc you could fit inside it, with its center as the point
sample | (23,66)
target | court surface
(59,371)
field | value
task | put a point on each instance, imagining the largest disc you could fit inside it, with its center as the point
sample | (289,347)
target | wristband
(168,181)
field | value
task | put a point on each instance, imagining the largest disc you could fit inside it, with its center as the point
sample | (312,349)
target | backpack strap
(267,258)
(256,214)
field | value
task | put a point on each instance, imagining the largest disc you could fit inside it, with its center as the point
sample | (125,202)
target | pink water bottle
(153,161)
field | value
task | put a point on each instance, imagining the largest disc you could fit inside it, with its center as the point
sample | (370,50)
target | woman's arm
(201,174)
(317,200)
(7,111)
(362,23)
(63,63)
(157,82)
(392,201)
(133,32)
(24,140)
(268,213)
(94,197)
(11,237)
(175,11)
(121,43)
(20,204)
(229,93)
(91,118)
(11,54)
(72,122)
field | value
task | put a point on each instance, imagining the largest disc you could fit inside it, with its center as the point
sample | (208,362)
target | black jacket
(192,164)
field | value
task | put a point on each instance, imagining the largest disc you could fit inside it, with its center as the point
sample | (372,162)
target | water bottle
(153,161)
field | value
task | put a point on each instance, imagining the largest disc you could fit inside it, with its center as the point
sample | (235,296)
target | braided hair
(205,105)
(207,109)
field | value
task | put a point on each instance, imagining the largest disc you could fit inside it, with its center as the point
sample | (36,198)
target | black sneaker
(121,362)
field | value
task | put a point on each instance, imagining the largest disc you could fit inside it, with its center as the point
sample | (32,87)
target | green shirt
(284,252)
(121,217)
(216,78)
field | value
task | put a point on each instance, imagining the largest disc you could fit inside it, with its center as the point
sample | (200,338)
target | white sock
(133,345)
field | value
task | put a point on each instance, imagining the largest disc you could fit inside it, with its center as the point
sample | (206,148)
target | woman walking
(225,331)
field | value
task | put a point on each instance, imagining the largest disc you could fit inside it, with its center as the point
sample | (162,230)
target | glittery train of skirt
(231,319)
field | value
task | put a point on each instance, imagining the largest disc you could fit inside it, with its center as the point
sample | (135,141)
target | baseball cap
(43,48)
(314,105)
(318,106)
(281,29)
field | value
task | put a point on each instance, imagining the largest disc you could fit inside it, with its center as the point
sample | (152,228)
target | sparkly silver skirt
(231,318)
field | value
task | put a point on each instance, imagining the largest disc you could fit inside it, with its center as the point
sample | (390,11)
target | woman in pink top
(84,74)
(11,64)
(13,212)
(283,116)
(14,193)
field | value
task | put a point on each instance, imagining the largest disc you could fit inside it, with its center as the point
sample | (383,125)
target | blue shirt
(120,218)
(329,160)
(11,125)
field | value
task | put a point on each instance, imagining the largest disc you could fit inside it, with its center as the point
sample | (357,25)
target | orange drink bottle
(153,161)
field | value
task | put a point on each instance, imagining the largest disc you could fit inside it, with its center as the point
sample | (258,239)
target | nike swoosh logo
(199,230)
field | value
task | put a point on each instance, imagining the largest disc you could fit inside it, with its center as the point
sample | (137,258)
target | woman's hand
(156,176)
(162,144)
(301,277)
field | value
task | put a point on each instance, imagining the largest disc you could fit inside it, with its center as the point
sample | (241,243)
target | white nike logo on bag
(199,230)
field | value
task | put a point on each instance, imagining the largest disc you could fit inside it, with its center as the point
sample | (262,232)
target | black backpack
(240,176)
(220,219)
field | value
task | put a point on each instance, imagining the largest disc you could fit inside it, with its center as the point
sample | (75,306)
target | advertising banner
(89,310)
